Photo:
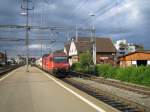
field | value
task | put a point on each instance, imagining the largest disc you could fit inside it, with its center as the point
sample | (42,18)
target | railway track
(117,102)
(126,86)
(120,103)
(7,69)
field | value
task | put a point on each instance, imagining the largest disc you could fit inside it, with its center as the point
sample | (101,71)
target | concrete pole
(27,39)
(41,49)
(93,38)
(94,46)
(76,33)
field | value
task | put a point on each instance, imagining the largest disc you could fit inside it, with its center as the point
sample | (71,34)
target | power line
(79,6)
(51,28)
(102,10)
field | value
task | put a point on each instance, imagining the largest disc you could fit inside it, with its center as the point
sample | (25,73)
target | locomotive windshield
(60,59)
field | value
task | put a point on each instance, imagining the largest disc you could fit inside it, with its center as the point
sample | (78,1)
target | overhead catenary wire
(101,11)
(78,7)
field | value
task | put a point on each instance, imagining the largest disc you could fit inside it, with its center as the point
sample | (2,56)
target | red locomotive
(56,63)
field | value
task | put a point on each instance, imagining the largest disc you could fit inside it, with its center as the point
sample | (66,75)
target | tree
(85,59)
(139,47)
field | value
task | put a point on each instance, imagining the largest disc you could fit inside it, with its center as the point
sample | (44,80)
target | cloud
(35,46)
(130,19)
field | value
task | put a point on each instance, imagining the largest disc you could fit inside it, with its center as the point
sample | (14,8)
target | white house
(66,48)
(105,49)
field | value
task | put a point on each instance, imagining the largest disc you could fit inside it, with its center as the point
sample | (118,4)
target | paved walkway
(34,92)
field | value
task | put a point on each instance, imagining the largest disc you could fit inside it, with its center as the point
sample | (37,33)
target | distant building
(124,48)
(3,58)
(130,48)
(135,59)
(105,50)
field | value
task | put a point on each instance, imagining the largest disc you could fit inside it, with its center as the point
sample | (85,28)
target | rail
(7,69)
(122,104)
(117,102)
(126,86)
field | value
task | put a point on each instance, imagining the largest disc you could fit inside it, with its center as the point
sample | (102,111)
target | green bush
(76,67)
(85,59)
(105,70)
(91,70)
(123,73)
(138,75)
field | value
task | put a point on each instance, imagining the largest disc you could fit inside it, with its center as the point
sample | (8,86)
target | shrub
(85,59)
(92,70)
(76,67)
(105,70)
(139,75)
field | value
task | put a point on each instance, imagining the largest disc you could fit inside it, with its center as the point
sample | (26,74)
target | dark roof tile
(102,44)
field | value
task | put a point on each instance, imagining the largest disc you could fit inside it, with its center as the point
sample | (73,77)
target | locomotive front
(60,63)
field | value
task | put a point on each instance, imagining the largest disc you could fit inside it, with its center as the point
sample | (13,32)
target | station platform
(37,91)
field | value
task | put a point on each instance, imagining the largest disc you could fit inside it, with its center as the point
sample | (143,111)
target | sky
(116,19)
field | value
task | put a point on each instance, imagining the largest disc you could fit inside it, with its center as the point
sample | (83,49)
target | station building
(136,58)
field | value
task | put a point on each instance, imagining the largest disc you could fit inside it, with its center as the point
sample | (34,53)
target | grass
(138,75)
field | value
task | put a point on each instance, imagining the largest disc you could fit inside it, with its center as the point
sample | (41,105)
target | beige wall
(73,59)
(125,63)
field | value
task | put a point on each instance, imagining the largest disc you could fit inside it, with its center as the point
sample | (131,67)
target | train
(55,63)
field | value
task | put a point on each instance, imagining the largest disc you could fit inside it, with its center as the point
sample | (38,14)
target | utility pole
(76,33)
(27,38)
(94,46)
(41,49)
(5,57)
(68,36)
(27,29)
(93,38)
(42,54)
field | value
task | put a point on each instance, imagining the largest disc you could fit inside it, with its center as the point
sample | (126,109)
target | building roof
(102,44)
(144,51)
(105,45)
(83,46)
(137,55)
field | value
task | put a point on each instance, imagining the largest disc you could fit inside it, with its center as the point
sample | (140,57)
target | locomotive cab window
(60,59)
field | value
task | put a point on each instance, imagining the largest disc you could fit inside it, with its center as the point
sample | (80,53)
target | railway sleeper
(128,109)
(110,101)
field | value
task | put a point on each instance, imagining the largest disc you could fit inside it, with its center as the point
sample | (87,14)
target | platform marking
(76,94)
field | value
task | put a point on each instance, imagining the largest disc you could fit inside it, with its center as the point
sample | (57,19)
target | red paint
(56,62)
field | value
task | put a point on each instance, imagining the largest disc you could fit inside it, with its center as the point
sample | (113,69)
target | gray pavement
(34,92)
